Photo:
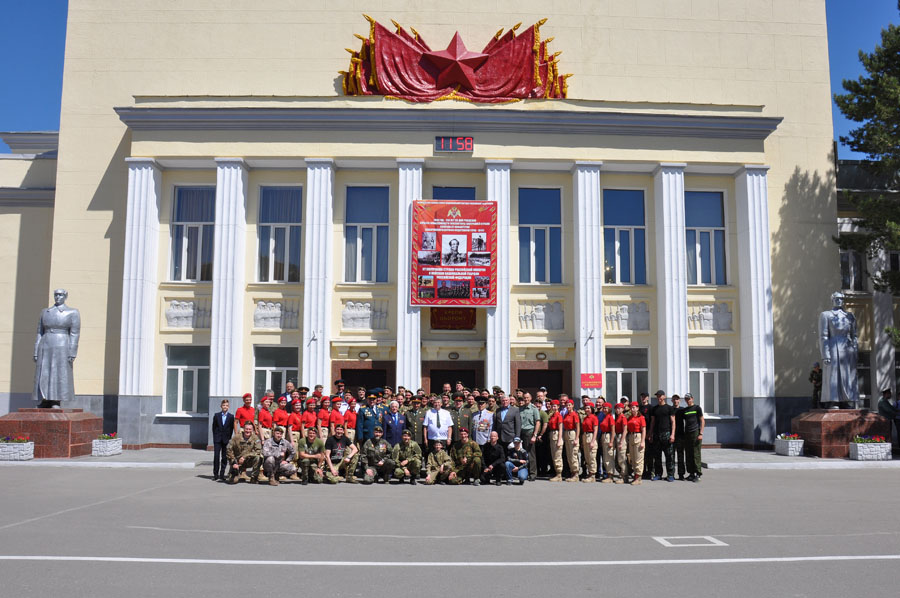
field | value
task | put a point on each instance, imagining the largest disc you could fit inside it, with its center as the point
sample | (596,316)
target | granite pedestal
(828,432)
(57,433)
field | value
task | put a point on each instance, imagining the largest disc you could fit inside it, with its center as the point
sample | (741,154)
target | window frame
(531,240)
(856,274)
(201,235)
(181,369)
(287,243)
(711,230)
(284,370)
(618,372)
(373,226)
(631,228)
(700,392)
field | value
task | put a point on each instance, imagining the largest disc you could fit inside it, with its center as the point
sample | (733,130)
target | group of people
(459,436)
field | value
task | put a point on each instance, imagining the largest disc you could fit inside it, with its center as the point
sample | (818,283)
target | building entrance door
(435,373)
(556,376)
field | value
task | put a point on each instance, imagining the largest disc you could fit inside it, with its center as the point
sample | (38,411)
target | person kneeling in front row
(278,453)
(517,463)
(244,452)
(340,457)
(407,457)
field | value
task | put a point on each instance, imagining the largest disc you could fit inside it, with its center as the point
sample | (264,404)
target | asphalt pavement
(86,531)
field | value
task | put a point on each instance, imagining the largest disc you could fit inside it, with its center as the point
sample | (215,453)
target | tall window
(192,233)
(540,235)
(704,221)
(366,234)
(853,270)
(710,379)
(274,367)
(280,215)
(460,193)
(624,247)
(627,373)
(187,379)
(864,373)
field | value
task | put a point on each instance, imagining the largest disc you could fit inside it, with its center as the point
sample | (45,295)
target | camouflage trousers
(414,468)
(278,467)
(472,470)
(382,471)
(345,469)
(308,471)
(251,463)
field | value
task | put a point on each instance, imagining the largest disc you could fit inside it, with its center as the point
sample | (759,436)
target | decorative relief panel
(710,317)
(283,314)
(370,314)
(188,313)
(542,315)
(626,316)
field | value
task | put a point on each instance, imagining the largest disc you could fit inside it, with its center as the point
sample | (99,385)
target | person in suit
(222,430)
(507,421)
(393,423)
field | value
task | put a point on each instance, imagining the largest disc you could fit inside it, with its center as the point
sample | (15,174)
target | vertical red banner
(454,253)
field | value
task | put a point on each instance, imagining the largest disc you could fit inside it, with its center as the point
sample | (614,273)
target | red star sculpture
(457,64)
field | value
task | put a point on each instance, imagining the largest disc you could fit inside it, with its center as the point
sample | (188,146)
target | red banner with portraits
(454,253)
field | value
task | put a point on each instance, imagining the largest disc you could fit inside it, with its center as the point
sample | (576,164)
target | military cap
(481,399)
(406,433)
(339,381)
(379,429)
(303,389)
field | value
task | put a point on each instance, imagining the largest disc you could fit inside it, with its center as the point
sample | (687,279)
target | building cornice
(470,121)
(19,197)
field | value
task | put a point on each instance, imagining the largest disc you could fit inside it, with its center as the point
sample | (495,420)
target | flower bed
(106,446)
(870,448)
(789,445)
(16,448)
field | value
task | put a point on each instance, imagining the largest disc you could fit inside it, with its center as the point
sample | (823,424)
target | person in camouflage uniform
(376,454)
(466,458)
(278,454)
(244,452)
(407,458)
(439,466)
(311,457)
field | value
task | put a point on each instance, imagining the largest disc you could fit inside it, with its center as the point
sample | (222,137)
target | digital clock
(454,144)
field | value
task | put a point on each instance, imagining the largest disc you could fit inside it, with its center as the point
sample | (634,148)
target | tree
(873,99)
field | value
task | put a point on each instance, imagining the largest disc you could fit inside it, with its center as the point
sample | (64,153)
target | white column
(409,334)
(882,317)
(588,273)
(318,285)
(755,279)
(227,321)
(671,278)
(497,370)
(139,280)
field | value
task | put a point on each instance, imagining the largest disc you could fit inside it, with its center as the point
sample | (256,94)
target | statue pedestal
(828,432)
(57,433)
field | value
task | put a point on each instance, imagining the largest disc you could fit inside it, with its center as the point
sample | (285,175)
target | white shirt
(432,419)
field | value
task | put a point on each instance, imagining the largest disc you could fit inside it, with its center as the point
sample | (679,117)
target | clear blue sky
(32,42)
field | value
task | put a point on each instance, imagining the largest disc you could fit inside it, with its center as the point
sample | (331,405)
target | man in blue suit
(222,430)
(393,423)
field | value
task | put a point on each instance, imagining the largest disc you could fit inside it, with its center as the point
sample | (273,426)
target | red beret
(555,402)
(351,400)
(247,395)
(607,405)
(310,401)
(588,404)
(635,404)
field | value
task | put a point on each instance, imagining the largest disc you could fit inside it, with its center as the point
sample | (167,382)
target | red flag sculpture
(400,65)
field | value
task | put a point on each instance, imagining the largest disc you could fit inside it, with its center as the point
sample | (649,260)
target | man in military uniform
(376,454)
(278,454)
(244,452)
(531,420)
(415,420)
(407,458)
(311,457)
(341,457)
(466,458)
(439,467)
(366,420)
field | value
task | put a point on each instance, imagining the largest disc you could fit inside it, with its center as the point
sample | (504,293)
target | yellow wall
(754,56)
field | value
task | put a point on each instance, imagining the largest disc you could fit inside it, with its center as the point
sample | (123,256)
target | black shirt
(679,422)
(663,415)
(337,447)
(692,417)
(493,454)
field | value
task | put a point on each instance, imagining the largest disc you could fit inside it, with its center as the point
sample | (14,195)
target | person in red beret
(294,423)
(637,437)
(350,418)
(571,436)
(336,418)
(244,414)
(606,430)
(555,427)
(310,418)
(589,442)
(621,442)
(264,419)
(324,416)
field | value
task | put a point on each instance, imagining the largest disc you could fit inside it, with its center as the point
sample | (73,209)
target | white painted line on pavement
(810,465)
(419,565)
(707,541)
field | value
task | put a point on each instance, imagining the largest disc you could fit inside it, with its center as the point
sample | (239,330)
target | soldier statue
(838,346)
(55,349)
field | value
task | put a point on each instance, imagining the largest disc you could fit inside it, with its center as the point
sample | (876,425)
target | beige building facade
(226,219)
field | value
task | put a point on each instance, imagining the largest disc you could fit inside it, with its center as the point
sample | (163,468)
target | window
(366,234)
(280,215)
(624,249)
(627,373)
(460,193)
(710,379)
(864,373)
(274,367)
(187,379)
(540,236)
(192,233)
(853,270)
(704,221)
